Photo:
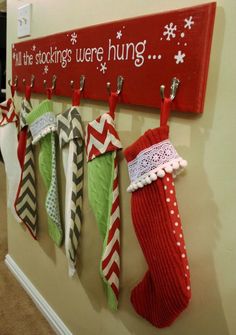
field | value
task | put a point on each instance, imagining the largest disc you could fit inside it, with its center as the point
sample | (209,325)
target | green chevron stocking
(42,123)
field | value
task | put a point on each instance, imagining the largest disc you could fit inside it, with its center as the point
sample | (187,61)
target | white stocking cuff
(154,162)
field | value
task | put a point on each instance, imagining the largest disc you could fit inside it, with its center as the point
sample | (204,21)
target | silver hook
(173,88)
(54,79)
(81,83)
(15,82)
(31,82)
(109,88)
(162,91)
(120,82)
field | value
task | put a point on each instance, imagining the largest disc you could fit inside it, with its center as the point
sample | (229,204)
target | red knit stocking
(164,291)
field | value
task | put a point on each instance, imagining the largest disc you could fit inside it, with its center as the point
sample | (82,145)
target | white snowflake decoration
(34,47)
(73,38)
(169,32)
(119,34)
(45,70)
(179,57)
(188,22)
(103,67)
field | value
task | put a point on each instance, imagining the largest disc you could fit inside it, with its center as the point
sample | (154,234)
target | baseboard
(47,311)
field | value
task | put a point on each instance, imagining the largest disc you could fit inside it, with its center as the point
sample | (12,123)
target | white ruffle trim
(49,129)
(174,166)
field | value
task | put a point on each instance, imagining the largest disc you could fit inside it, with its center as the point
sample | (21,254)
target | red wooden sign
(147,51)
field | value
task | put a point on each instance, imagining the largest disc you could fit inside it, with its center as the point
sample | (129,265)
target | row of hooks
(120,81)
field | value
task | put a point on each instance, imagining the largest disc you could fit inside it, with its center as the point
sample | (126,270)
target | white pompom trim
(175,167)
(44,132)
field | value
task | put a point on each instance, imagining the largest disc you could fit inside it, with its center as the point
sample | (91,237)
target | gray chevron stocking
(71,142)
(25,203)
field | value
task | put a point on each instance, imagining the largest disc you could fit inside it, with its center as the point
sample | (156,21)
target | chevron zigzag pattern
(7,112)
(111,255)
(101,137)
(70,126)
(71,141)
(76,201)
(25,203)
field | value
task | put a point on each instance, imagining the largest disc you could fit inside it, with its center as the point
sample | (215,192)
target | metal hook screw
(54,79)
(15,82)
(31,81)
(109,88)
(120,82)
(81,82)
(173,89)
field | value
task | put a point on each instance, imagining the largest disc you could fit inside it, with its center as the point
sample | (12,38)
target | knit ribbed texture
(102,143)
(164,292)
(44,107)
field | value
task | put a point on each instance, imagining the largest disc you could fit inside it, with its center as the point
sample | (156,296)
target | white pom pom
(143,181)
(161,173)
(148,180)
(175,165)
(129,188)
(169,169)
(135,187)
(132,188)
(153,176)
(140,184)
(183,163)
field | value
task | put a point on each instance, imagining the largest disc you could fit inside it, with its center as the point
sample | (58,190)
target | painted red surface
(147,51)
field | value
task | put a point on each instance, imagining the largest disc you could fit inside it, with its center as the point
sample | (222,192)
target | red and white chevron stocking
(102,143)
(8,148)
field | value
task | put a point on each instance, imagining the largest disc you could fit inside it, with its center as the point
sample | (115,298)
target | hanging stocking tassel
(71,141)
(8,147)
(164,292)
(102,143)
(25,203)
(42,123)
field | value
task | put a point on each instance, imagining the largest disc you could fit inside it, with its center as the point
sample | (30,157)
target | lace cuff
(154,162)
(43,126)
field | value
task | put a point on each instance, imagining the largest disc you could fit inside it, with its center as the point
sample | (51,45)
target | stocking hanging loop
(113,96)
(166,102)
(49,90)
(120,82)
(77,91)
(28,88)
(13,86)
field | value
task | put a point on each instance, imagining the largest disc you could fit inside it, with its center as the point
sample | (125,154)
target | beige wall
(206,193)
